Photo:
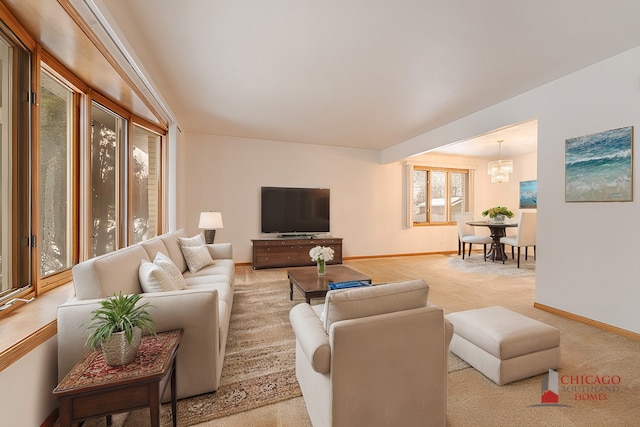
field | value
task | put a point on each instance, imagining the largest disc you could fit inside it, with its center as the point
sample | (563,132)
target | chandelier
(499,169)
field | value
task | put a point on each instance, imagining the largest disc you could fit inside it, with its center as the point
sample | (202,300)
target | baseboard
(600,325)
(401,255)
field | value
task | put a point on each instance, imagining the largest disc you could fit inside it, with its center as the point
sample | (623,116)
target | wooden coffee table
(306,279)
(94,389)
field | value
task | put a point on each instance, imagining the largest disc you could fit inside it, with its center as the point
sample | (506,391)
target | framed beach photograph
(599,167)
(529,194)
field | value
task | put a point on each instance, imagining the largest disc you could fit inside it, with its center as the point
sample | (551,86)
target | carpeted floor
(259,365)
(473,400)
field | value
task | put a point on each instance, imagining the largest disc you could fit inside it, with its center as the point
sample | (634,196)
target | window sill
(30,325)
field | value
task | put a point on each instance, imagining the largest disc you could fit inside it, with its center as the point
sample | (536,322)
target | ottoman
(505,346)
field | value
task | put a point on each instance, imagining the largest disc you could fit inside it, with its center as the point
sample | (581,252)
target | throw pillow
(197,257)
(166,263)
(196,240)
(154,279)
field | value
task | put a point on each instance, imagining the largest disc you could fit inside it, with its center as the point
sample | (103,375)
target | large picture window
(15,179)
(438,195)
(108,131)
(56,175)
(145,191)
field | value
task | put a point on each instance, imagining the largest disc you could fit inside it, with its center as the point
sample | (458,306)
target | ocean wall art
(528,194)
(599,167)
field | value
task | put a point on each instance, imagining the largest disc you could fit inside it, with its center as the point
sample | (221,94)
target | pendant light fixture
(499,169)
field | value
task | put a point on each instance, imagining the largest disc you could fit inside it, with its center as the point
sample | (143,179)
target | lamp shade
(210,220)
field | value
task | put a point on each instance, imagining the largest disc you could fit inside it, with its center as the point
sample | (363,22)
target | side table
(94,389)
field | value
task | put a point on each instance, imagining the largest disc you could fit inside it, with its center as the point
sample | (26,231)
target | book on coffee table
(344,285)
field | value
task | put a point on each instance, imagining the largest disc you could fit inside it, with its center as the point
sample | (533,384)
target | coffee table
(306,279)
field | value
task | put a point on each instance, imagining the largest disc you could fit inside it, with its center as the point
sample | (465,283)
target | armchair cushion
(368,301)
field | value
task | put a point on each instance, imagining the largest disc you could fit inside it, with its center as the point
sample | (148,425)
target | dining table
(497,230)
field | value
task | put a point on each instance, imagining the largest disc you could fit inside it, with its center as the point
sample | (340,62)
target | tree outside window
(438,195)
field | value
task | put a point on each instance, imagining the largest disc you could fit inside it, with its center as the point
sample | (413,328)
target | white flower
(321,252)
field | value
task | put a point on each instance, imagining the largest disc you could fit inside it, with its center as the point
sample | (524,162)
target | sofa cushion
(153,246)
(225,293)
(197,257)
(154,278)
(163,261)
(172,244)
(118,271)
(372,300)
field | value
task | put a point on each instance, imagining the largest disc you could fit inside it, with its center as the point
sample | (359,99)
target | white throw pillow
(154,278)
(167,264)
(197,257)
(196,240)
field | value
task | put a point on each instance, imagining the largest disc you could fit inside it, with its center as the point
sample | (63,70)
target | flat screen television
(294,211)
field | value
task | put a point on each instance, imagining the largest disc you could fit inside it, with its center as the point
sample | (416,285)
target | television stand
(291,251)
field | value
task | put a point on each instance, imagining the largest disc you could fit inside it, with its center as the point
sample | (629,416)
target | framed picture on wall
(529,194)
(599,167)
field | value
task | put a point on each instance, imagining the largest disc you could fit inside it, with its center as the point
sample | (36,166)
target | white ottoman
(505,346)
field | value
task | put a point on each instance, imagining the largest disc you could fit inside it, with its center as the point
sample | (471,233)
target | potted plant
(117,327)
(497,214)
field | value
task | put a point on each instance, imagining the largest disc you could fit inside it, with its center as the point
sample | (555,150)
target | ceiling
(360,73)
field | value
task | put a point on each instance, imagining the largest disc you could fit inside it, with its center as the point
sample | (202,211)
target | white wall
(367,198)
(26,397)
(586,251)
(587,257)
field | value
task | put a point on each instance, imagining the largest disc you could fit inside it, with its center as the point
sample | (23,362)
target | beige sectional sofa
(202,308)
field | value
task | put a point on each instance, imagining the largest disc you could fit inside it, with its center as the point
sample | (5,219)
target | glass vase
(498,219)
(322,267)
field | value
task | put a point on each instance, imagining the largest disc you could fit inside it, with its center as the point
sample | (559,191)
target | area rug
(259,365)
(477,265)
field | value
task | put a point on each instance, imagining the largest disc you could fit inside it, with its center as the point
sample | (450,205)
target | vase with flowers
(498,214)
(320,255)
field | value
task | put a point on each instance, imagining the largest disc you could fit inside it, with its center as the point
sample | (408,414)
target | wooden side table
(94,389)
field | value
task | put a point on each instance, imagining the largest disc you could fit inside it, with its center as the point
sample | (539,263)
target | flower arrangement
(498,210)
(320,255)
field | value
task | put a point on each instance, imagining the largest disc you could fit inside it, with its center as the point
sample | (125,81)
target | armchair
(374,356)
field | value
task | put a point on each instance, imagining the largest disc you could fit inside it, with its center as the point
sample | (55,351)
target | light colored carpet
(259,365)
(473,400)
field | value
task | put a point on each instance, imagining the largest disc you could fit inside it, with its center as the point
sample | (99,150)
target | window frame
(429,170)
(149,127)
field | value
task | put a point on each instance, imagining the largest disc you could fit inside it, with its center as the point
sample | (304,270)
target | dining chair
(467,234)
(525,236)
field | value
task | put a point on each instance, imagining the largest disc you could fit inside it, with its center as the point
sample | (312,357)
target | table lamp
(209,222)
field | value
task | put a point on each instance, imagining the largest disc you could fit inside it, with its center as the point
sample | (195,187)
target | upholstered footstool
(505,346)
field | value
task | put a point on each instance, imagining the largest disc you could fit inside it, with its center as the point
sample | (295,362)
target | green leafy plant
(498,210)
(119,313)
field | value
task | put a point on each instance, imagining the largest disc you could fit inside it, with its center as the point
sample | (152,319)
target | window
(56,176)
(107,139)
(145,183)
(15,177)
(72,186)
(438,195)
